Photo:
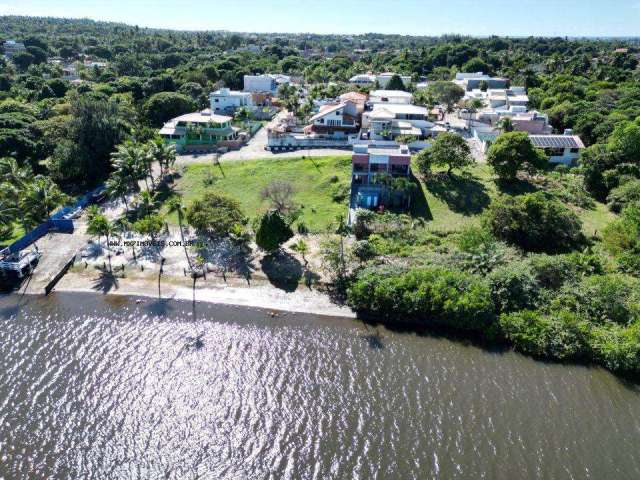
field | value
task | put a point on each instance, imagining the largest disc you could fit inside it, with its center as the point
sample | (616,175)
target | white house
(265,83)
(472,81)
(385,78)
(563,149)
(363,80)
(394,119)
(227,101)
(335,121)
(390,96)
(11,47)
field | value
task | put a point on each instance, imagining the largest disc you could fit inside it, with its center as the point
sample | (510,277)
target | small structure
(200,130)
(390,96)
(385,78)
(563,149)
(226,101)
(265,83)
(363,80)
(11,48)
(387,121)
(473,81)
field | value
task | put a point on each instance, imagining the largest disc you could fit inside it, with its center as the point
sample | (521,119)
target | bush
(561,336)
(362,227)
(364,250)
(513,287)
(624,195)
(432,295)
(535,223)
(273,231)
(552,271)
(215,214)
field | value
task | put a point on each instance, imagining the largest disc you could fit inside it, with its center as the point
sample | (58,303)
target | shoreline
(260,296)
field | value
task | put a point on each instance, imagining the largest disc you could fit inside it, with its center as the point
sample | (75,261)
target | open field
(452,204)
(316,182)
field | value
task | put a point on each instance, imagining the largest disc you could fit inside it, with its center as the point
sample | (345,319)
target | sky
(407,17)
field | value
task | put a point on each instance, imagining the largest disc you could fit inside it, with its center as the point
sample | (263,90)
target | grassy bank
(450,205)
(321,185)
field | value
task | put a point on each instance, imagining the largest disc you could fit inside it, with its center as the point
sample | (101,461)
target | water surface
(104,387)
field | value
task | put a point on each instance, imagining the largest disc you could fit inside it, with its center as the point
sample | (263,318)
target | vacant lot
(321,185)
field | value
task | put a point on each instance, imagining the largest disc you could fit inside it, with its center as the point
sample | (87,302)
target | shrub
(535,223)
(562,335)
(617,347)
(552,271)
(624,195)
(273,231)
(215,214)
(362,227)
(513,287)
(364,250)
(435,296)
(602,299)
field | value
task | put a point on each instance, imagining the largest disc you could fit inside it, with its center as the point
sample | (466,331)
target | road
(255,149)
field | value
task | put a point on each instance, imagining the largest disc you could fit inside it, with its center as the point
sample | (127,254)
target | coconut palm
(175,205)
(129,163)
(164,154)
(506,125)
(100,225)
(119,186)
(40,198)
(146,202)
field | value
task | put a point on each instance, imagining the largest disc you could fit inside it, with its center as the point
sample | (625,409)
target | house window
(555,152)
(321,120)
(575,150)
(216,100)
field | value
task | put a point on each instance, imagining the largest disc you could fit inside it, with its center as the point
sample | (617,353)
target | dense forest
(528,274)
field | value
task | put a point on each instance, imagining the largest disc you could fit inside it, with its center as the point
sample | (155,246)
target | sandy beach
(235,291)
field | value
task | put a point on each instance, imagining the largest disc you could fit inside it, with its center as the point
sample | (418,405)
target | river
(114,388)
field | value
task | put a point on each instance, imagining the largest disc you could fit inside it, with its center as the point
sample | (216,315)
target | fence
(61,221)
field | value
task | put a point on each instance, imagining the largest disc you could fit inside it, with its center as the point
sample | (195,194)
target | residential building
(228,101)
(335,120)
(384,79)
(563,148)
(265,83)
(390,96)
(369,163)
(363,80)
(359,99)
(11,48)
(472,81)
(199,130)
(389,120)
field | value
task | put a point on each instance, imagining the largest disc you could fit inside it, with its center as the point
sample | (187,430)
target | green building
(199,130)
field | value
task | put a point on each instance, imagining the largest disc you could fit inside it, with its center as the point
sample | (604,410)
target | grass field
(18,231)
(316,182)
(451,205)
(321,184)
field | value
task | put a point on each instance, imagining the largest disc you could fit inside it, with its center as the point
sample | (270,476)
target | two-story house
(198,130)
(335,121)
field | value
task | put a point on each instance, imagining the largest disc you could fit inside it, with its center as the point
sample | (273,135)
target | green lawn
(447,204)
(18,231)
(315,182)
(451,205)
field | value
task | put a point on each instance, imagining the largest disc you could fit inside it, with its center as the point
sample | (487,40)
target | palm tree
(175,205)
(128,161)
(121,226)
(164,153)
(146,202)
(100,225)
(40,198)
(302,248)
(506,125)
(119,186)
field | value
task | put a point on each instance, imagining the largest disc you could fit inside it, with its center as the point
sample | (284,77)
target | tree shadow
(463,194)
(374,340)
(105,282)
(228,256)
(515,187)
(419,204)
(283,270)
(310,278)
